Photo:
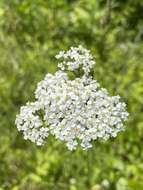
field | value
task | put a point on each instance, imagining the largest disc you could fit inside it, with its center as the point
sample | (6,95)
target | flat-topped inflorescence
(75,111)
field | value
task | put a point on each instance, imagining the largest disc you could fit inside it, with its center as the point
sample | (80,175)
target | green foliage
(31,33)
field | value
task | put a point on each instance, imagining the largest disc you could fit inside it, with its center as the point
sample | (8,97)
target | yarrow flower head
(76,58)
(74,111)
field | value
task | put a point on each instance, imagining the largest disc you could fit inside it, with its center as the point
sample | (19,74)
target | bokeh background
(31,33)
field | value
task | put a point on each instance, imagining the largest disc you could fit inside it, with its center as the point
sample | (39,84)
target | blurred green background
(31,33)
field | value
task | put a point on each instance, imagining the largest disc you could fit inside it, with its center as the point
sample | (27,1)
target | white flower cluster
(75,111)
(76,58)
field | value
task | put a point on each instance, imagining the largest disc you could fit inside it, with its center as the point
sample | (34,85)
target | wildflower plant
(75,111)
